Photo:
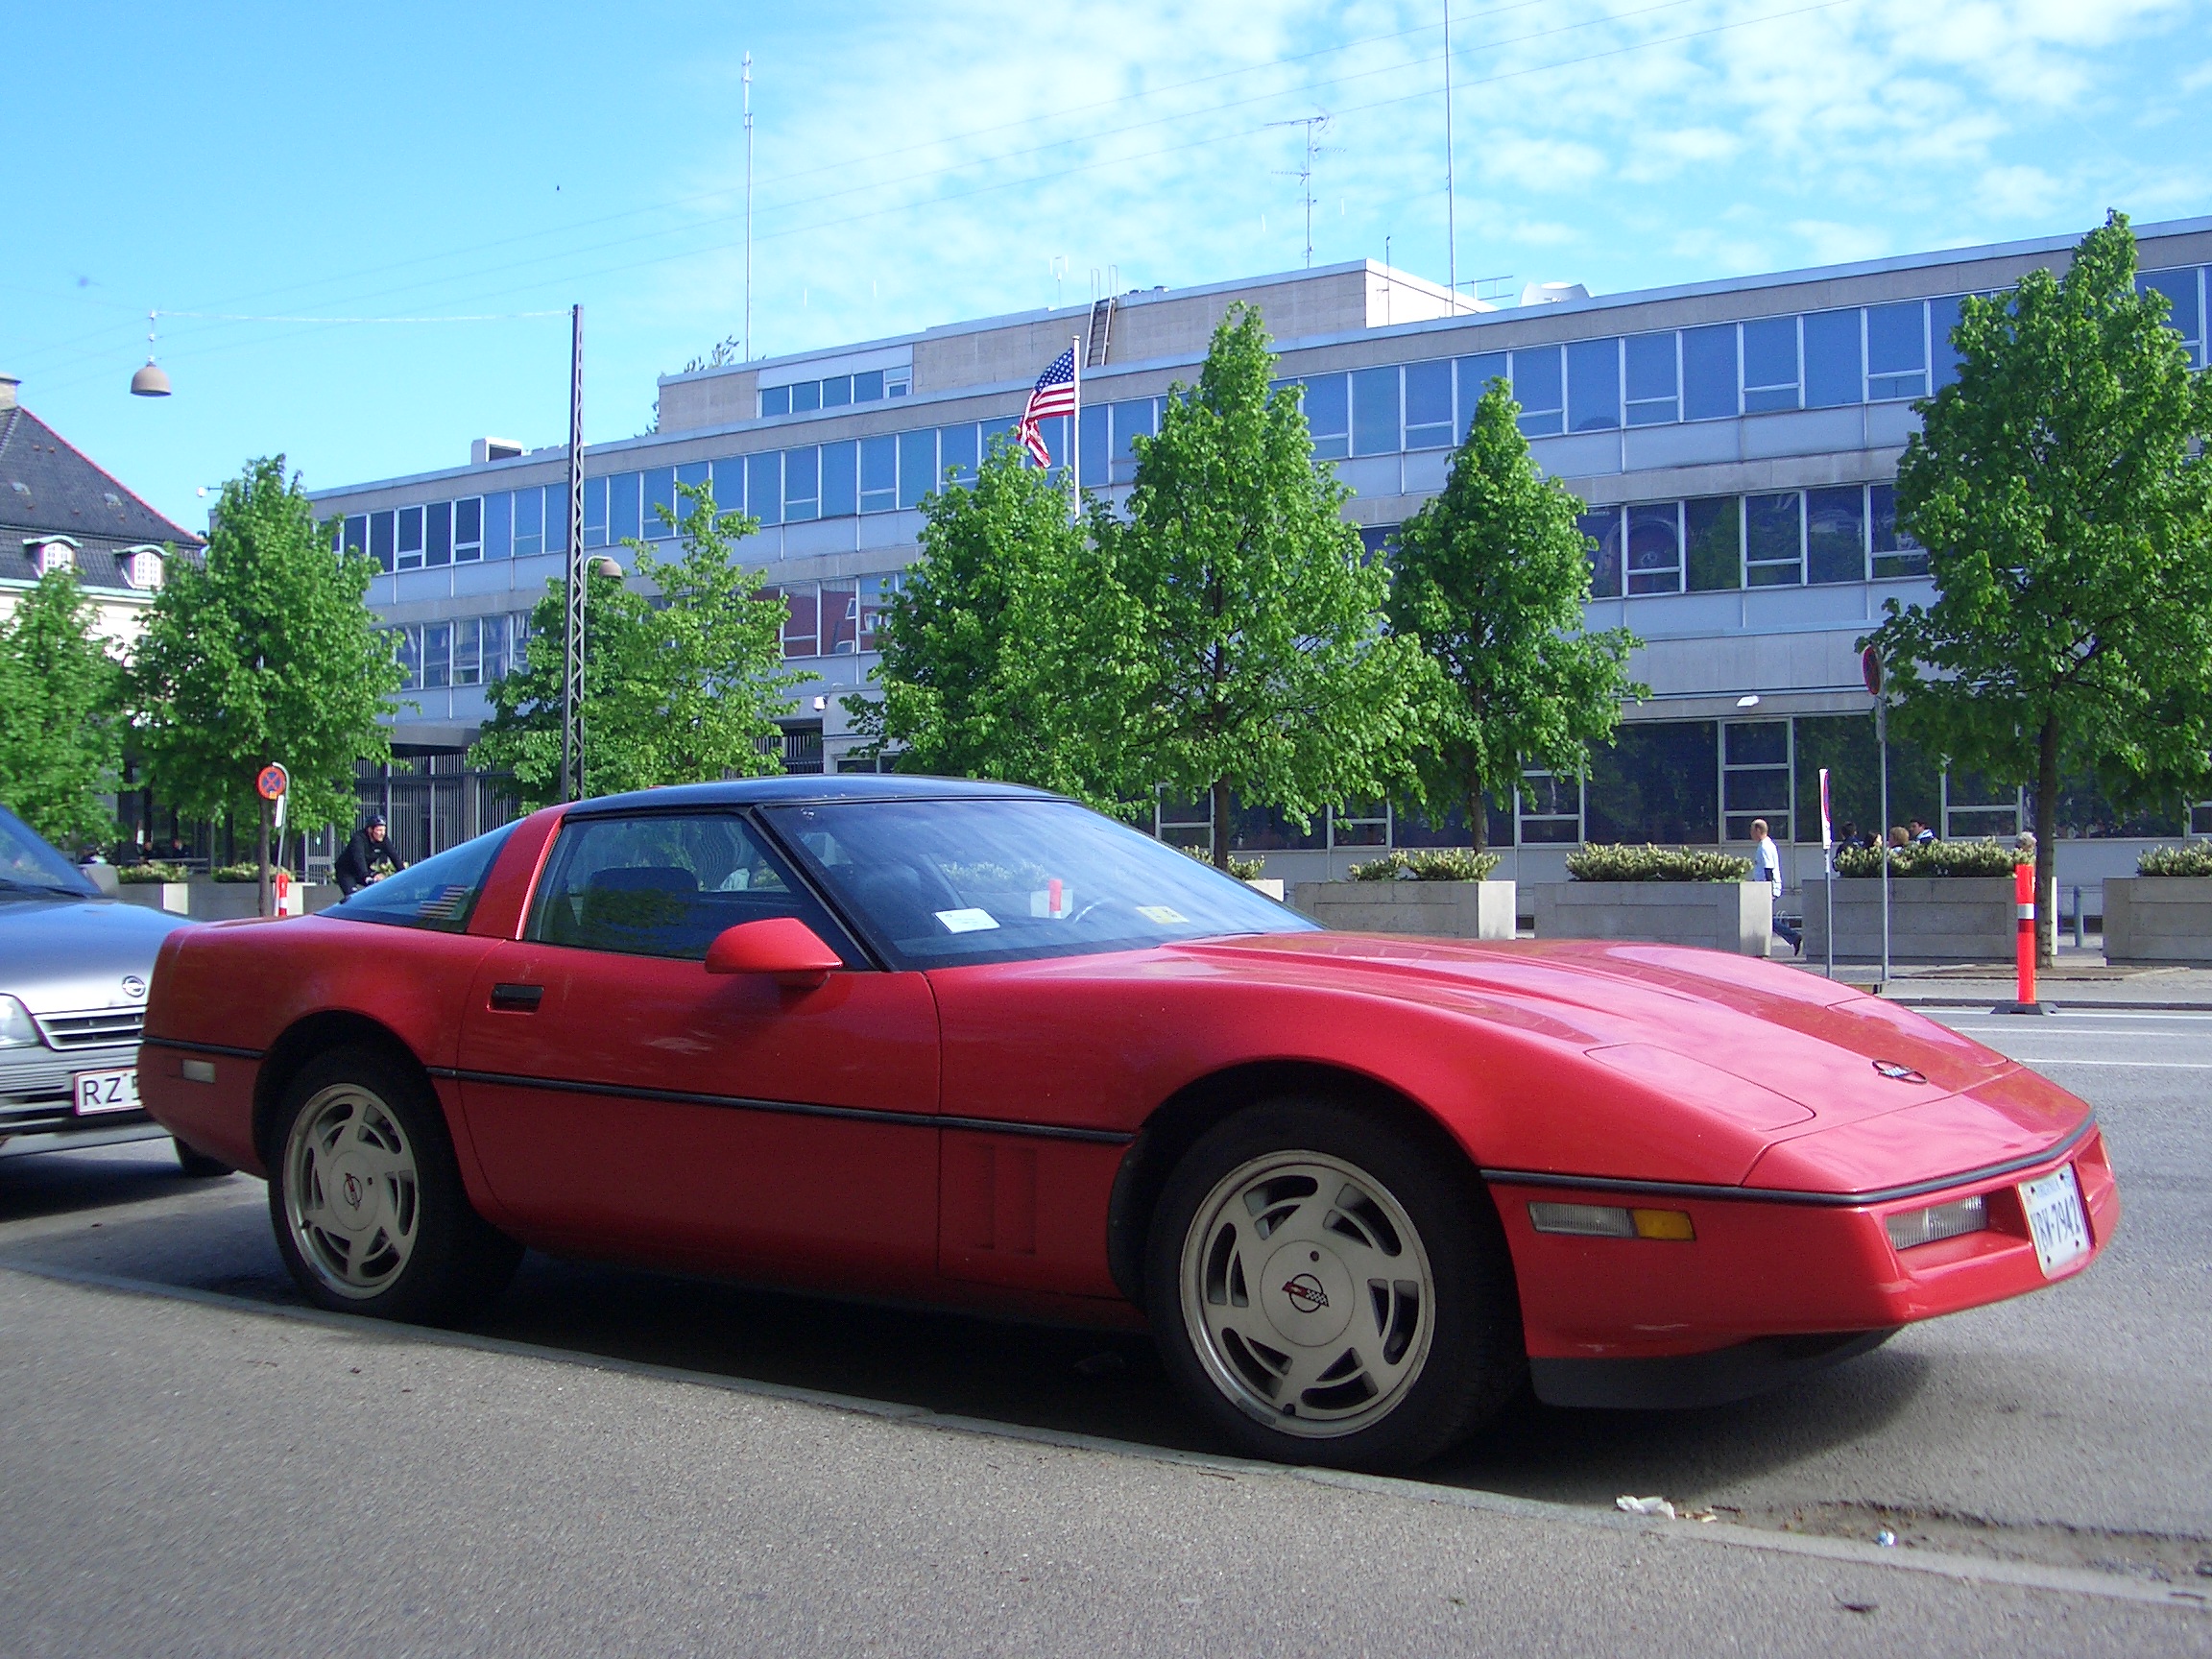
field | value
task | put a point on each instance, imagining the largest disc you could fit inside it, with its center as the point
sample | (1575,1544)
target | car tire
(366,1197)
(198,1165)
(1328,1289)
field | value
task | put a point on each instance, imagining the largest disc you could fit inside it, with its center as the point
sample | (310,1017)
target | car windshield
(438,894)
(939,882)
(29,865)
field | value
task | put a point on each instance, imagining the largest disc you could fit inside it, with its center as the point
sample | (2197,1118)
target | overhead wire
(573,278)
(1001,158)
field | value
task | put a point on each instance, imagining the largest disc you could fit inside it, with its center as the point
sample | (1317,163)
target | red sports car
(973,1044)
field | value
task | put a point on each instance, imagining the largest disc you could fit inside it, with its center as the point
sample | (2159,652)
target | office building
(1736,444)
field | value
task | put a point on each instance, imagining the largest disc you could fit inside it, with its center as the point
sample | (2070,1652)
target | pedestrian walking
(1766,867)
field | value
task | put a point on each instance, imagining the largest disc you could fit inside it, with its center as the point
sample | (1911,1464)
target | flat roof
(1595,305)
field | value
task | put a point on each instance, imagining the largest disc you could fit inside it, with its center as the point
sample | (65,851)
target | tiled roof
(49,486)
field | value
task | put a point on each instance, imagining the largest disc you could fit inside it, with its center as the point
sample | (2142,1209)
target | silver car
(74,967)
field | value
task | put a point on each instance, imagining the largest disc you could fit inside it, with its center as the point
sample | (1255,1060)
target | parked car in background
(74,968)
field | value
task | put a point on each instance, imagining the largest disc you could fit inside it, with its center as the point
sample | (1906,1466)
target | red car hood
(1776,1051)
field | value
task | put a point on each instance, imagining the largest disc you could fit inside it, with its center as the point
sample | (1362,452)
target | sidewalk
(2080,979)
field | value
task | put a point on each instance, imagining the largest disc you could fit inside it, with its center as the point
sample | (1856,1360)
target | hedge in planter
(151,873)
(1451,864)
(1937,859)
(2192,860)
(1609,863)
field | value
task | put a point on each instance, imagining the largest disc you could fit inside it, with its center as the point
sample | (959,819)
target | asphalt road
(623,1462)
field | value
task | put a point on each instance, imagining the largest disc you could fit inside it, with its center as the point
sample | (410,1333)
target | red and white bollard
(2024,941)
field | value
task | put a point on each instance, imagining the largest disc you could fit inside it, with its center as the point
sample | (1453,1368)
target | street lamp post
(572,639)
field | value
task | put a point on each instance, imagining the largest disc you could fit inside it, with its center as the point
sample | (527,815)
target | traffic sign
(272,782)
(1870,667)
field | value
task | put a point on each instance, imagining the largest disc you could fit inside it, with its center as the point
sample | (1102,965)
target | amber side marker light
(1609,1221)
(1915,1227)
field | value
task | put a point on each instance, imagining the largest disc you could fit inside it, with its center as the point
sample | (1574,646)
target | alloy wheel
(352,1193)
(1307,1295)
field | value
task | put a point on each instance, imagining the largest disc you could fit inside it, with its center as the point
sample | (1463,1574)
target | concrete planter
(2158,918)
(1932,918)
(225,901)
(1733,916)
(1429,909)
(1270,885)
(174,897)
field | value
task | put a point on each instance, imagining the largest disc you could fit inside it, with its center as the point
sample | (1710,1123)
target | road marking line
(2140,1064)
(1962,1568)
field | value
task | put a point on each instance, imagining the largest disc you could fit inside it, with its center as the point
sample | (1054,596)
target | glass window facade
(1538,387)
(1593,385)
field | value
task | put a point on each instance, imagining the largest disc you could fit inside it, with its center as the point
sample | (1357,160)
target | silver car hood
(62,955)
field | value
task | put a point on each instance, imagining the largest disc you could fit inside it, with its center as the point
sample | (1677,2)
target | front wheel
(1326,1290)
(367,1201)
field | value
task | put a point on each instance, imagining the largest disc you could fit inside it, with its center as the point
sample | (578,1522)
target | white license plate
(97,1091)
(2056,1220)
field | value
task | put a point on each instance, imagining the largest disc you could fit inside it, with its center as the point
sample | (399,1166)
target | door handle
(517,999)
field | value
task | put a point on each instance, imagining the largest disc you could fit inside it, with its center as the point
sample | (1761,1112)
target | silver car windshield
(938,882)
(29,865)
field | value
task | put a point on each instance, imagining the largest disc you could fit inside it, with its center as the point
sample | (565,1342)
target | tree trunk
(1220,823)
(1478,820)
(2046,844)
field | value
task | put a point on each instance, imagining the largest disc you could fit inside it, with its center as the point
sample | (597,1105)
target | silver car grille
(98,1028)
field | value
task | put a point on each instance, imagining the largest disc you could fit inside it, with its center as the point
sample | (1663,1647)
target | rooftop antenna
(748,205)
(1451,194)
(1313,124)
(1058,266)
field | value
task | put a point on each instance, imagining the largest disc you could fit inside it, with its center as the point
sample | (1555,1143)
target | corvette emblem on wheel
(1306,1293)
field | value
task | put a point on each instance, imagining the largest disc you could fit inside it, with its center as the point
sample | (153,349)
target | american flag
(1054,393)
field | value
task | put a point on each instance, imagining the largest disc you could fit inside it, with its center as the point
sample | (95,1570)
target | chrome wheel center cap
(352,1191)
(1308,1295)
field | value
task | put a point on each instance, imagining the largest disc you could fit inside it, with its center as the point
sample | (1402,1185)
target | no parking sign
(269,785)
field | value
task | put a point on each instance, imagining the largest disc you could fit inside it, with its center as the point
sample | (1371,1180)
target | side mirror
(783,945)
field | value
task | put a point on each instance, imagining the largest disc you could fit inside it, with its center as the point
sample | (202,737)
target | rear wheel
(1327,1290)
(366,1200)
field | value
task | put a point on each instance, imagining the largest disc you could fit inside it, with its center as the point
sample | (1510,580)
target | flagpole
(1076,434)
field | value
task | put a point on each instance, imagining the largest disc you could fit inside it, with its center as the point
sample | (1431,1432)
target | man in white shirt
(1766,867)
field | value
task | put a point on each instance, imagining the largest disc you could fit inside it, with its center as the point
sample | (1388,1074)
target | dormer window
(55,553)
(142,568)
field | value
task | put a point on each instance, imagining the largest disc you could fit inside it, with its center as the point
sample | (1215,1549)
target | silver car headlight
(17,1029)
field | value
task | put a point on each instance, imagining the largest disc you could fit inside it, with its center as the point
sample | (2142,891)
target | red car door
(623,1100)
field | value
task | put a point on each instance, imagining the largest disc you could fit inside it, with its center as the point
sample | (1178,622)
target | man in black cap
(369,856)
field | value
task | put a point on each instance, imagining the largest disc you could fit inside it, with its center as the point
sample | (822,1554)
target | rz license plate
(2056,1220)
(97,1091)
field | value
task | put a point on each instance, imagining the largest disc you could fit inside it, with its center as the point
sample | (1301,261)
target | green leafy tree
(60,714)
(2069,534)
(1491,576)
(265,653)
(681,683)
(998,652)
(1256,657)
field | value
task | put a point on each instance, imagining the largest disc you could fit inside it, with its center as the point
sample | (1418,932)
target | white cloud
(1828,243)
(928,153)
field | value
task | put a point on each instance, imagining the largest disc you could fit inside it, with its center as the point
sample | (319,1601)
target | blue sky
(918,165)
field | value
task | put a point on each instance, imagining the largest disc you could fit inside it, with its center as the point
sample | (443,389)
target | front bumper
(1767,1265)
(37,1108)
